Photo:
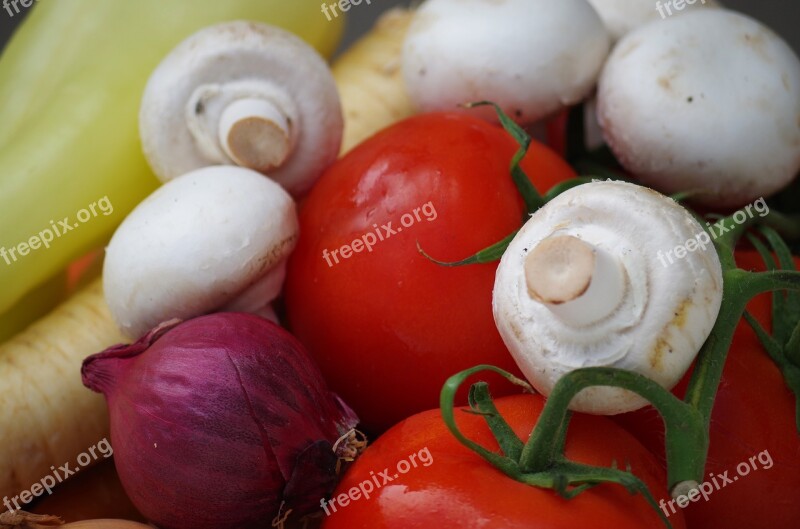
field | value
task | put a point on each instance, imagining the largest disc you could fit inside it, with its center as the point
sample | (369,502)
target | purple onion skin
(218,420)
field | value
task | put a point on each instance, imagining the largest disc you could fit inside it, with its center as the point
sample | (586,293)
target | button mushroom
(623,16)
(581,285)
(708,101)
(213,239)
(531,57)
(246,94)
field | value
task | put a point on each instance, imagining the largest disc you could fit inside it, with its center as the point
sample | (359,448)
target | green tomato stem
(739,288)
(686,439)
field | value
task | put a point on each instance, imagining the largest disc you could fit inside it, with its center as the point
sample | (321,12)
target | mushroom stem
(579,282)
(255,133)
(246,123)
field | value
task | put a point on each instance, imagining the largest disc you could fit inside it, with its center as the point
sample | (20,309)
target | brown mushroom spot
(516,330)
(758,42)
(665,81)
(662,343)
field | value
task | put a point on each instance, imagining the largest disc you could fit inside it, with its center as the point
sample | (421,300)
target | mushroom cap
(197,244)
(666,312)
(531,57)
(706,100)
(251,55)
(623,16)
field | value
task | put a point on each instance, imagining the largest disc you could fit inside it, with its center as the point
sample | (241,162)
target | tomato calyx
(541,462)
(783,346)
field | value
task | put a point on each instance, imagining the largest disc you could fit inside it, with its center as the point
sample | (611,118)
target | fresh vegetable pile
(521,264)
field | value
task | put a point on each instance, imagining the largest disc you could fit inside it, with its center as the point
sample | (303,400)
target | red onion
(219,420)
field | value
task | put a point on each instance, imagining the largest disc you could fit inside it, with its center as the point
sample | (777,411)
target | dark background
(782,16)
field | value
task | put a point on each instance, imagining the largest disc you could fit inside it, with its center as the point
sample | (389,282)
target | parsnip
(95,493)
(48,417)
(369,77)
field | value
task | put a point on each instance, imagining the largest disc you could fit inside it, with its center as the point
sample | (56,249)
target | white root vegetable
(707,101)
(531,57)
(582,285)
(242,93)
(213,239)
(370,80)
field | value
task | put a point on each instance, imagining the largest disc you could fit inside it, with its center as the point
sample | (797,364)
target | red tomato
(752,425)
(440,483)
(386,325)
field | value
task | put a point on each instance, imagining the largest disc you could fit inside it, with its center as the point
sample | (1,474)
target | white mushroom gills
(245,94)
(581,285)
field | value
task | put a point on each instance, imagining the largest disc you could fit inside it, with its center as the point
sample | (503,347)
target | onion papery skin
(219,422)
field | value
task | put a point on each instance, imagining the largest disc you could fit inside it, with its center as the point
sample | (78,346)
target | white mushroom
(709,100)
(623,16)
(531,57)
(247,94)
(214,239)
(594,279)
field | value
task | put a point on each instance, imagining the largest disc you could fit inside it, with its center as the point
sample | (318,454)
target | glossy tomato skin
(459,489)
(386,325)
(754,413)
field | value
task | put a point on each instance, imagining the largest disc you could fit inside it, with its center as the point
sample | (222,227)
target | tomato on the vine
(752,425)
(426,479)
(387,325)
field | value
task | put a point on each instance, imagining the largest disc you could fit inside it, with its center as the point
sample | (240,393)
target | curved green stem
(687,440)
(533,200)
(739,288)
(565,477)
(447,405)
